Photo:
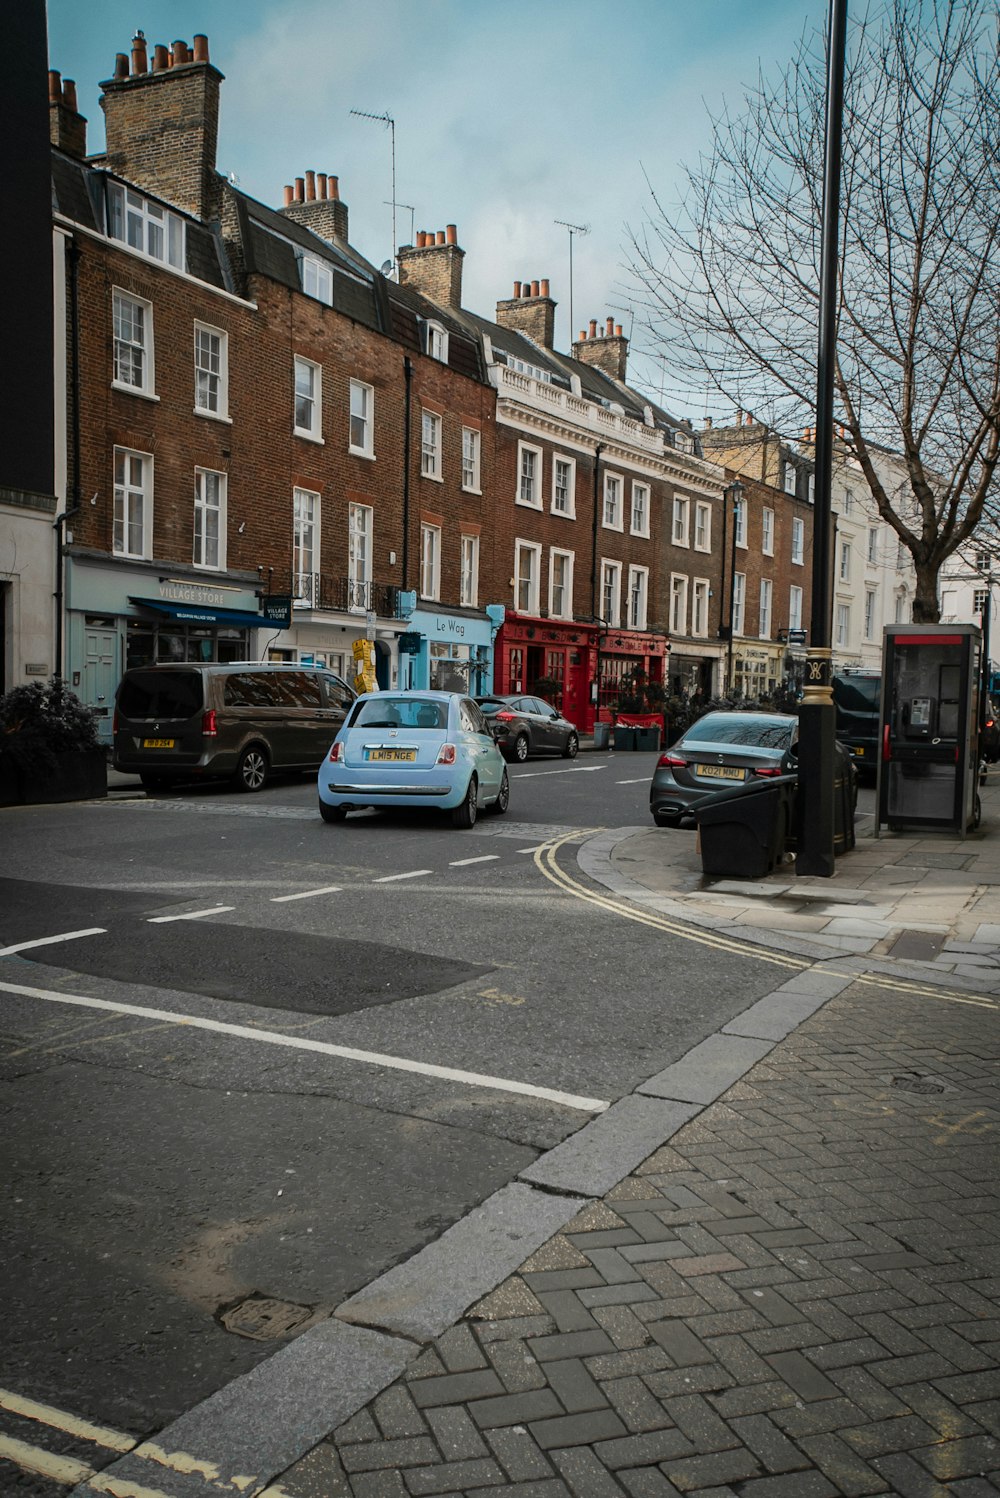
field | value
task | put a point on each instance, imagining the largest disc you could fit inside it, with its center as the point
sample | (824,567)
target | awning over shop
(193,613)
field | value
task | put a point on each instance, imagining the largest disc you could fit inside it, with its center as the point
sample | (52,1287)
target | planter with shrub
(48,747)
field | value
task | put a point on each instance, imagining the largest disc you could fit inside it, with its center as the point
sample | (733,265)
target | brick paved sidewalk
(797,1296)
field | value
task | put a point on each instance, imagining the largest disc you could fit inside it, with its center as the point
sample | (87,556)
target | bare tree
(728,281)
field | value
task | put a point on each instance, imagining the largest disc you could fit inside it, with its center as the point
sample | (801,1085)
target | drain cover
(263,1319)
(914,1082)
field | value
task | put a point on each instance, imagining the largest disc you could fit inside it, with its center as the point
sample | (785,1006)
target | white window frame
(529,476)
(701,592)
(203,509)
(211,374)
(843,623)
(527,585)
(848,501)
(430,561)
(612,516)
(740,524)
(472,448)
(145,227)
(314,431)
(812,489)
(435,341)
(765,608)
(844,568)
(130,347)
(361,419)
(702,526)
(767,531)
(566,511)
(317,279)
(556,554)
(127,495)
(871,605)
(611,592)
(680,524)
(798,541)
(431,428)
(794,607)
(469,574)
(739,601)
(789,478)
(360,536)
(638,597)
(305,540)
(872,547)
(679,603)
(640,509)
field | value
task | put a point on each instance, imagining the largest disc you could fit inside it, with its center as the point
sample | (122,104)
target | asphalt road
(232,1080)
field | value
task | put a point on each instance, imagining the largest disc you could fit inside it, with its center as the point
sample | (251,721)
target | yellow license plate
(158,743)
(721,772)
(394,754)
(859,751)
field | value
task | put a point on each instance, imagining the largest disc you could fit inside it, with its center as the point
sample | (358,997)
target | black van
(239,721)
(857,697)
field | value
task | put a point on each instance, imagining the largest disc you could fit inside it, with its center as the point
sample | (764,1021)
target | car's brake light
(989,721)
(208,726)
(767,770)
(671,762)
(446,754)
(335,752)
(504,717)
(886,751)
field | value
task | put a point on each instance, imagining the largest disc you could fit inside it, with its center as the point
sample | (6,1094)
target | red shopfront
(581,665)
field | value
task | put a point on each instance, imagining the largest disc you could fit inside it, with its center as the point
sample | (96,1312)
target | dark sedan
(529,725)
(723,749)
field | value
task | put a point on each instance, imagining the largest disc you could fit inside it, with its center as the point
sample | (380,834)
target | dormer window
(435,341)
(684,442)
(144,226)
(790,478)
(317,279)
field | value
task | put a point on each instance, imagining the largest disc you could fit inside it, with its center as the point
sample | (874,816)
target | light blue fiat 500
(411,748)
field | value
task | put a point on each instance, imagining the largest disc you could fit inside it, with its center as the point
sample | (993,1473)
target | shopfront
(579,668)
(758,669)
(449,650)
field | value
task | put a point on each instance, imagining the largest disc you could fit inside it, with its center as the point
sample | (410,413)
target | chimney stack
(162,126)
(314,202)
(607,351)
(67,127)
(433,266)
(531,311)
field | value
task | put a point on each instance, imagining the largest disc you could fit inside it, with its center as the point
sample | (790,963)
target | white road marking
(643,780)
(535,849)
(191,915)
(307,894)
(570,770)
(322,1047)
(461,863)
(72,1425)
(413,874)
(48,941)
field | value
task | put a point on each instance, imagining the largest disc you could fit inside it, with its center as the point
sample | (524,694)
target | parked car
(239,720)
(410,748)
(990,746)
(529,725)
(857,697)
(722,749)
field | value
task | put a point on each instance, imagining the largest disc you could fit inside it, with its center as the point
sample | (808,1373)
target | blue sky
(510,114)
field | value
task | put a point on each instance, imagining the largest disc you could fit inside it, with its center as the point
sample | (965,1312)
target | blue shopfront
(450,650)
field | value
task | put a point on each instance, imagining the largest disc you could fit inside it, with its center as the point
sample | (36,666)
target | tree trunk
(926,609)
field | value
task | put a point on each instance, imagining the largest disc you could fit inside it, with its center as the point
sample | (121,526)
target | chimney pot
(618,330)
(583,335)
(300,190)
(593,327)
(534,288)
(321,185)
(288,194)
(180,54)
(440,236)
(121,65)
(609,327)
(525,288)
(310,187)
(161,58)
(544,288)
(451,234)
(517,288)
(708,421)
(333,187)
(55,87)
(739,417)
(200,47)
(138,54)
(749,419)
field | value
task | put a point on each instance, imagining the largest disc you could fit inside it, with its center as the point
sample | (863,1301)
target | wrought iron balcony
(341,595)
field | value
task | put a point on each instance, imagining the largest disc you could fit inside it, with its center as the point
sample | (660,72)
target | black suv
(857,698)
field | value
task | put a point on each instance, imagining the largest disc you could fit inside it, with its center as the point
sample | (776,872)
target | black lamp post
(734,492)
(816,712)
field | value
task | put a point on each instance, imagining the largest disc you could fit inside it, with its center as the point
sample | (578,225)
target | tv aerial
(573,229)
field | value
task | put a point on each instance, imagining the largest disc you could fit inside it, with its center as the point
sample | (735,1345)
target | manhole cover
(914,1082)
(263,1319)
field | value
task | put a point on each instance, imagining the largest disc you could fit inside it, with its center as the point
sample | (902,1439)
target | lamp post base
(817,739)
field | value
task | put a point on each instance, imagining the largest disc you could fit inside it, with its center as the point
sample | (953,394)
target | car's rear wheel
(332,813)
(499,806)
(520,750)
(464,815)
(251,769)
(572,748)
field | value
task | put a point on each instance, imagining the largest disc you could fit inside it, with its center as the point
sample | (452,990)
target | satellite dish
(388,269)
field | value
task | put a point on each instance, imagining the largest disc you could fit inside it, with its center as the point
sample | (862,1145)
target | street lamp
(734,492)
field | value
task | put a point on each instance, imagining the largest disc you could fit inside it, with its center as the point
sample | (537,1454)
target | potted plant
(48,746)
(550,687)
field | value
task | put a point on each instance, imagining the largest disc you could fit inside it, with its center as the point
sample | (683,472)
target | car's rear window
(160,694)
(858,694)
(741,728)
(399,712)
(490,705)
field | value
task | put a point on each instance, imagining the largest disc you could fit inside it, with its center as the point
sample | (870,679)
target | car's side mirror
(554,717)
